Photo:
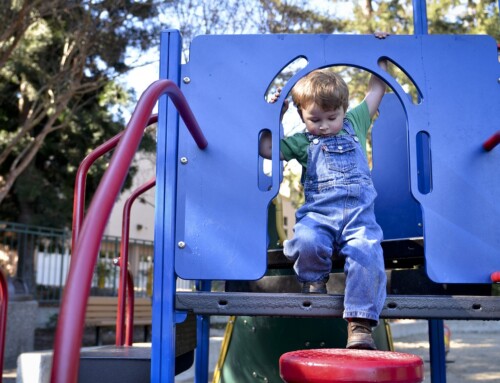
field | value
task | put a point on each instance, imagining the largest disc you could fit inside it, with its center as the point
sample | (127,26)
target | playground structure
(435,169)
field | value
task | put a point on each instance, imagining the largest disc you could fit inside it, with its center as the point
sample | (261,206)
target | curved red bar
(81,177)
(129,324)
(122,286)
(80,183)
(491,142)
(4,304)
(71,317)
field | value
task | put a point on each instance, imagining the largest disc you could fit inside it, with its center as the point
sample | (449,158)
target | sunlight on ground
(411,345)
(458,344)
(454,345)
(485,377)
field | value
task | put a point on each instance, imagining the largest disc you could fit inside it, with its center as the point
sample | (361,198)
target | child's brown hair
(324,88)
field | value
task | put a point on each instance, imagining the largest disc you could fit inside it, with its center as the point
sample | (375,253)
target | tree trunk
(27,247)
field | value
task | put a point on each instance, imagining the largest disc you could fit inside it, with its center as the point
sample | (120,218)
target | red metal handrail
(123,263)
(81,179)
(129,324)
(4,304)
(69,332)
(80,188)
(81,182)
(491,142)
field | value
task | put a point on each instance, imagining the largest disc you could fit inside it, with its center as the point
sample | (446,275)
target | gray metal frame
(289,304)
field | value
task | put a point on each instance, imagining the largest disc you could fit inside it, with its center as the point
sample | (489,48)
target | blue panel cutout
(398,213)
(221,212)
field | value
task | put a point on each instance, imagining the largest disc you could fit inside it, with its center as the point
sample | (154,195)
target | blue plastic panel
(397,211)
(221,212)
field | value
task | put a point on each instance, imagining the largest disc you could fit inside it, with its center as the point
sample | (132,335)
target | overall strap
(349,129)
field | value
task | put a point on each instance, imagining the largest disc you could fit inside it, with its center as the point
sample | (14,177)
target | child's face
(323,123)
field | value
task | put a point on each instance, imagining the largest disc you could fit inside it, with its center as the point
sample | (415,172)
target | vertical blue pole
(164,318)
(203,341)
(437,351)
(419,17)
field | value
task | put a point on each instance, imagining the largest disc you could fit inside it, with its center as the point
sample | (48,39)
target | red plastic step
(354,366)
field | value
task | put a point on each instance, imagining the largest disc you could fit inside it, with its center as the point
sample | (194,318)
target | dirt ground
(473,355)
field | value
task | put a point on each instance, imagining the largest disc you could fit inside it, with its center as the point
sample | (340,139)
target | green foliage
(59,99)
(60,59)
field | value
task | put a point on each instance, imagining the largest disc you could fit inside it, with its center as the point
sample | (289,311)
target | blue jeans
(338,217)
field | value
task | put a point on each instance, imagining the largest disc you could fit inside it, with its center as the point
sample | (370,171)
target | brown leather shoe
(359,335)
(318,287)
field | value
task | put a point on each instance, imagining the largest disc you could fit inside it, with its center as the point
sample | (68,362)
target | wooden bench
(101,312)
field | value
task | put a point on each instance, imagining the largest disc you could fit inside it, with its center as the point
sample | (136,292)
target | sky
(140,78)
(143,76)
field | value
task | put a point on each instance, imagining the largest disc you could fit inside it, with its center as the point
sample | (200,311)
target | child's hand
(381,35)
(275,97)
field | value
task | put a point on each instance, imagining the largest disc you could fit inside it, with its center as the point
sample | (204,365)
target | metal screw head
(186,80)
(181,244)
(184,160)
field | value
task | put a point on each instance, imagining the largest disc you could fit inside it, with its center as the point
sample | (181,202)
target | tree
(59,62)
(202,17)
(58,58)
(197,17)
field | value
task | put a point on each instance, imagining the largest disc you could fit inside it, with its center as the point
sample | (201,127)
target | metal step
(120,364)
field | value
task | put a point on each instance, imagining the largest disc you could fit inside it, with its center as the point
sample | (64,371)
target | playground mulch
(473,353)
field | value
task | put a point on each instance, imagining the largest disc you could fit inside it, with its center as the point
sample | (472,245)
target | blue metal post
(203,341)
(164,316)
(420,17)
(437,351)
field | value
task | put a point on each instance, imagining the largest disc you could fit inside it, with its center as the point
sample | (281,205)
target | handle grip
(495,277)
(491,142)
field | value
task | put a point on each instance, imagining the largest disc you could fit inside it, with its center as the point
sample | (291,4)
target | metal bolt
(307,344)
(184,160)
(420,224)
(181,244)
(254,374)
(186,80)
(322,344)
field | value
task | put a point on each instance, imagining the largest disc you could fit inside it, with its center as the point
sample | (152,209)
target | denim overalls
(338,216)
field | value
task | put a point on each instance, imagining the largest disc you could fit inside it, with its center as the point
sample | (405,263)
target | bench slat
(102,311)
